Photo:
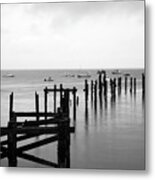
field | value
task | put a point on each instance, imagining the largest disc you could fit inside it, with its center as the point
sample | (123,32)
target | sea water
(110,137)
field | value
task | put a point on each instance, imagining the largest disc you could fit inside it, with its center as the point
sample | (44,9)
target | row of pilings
(103,86)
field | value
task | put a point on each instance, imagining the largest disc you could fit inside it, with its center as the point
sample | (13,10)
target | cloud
(66,14)
(94,34)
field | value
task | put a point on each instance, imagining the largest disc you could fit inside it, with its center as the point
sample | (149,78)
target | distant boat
(49,79)
(116,72)
(9,75)
(69,75)
(83,76)
(127,74)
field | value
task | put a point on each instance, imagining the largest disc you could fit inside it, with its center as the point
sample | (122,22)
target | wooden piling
(86,90)
(119,85)
(12,144)
(63,143)
(95,94)
(54,98)
(105,84)
(92,86)
(100,83)
(126,84)
(66,101)
(114,86)
(74,103)
(134,85)
(131,85)
(45,102)
(37,105)
(61,90)
(11,105)
(143,83)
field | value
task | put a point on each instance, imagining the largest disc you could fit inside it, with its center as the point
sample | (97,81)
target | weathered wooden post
(95,95)
(45,103)
(134,80)
(37,105)
(86,93)
(114,86)
(126,83)
(61,90)
(55,96)
(66,101)
(119,85)
(74,103)
(92,84)
(11,105)
(67,153)
(106,88)
(100,84)
(12,144)
(131,85)
(105,84)
(143,84)
(63,141)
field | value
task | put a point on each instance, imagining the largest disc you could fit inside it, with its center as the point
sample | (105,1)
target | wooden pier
(99,88)
(56,124)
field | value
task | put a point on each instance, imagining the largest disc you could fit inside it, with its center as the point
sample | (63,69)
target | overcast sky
(72,35)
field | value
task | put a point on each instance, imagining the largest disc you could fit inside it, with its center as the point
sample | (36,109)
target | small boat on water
(127,74)
(83,75)
(9,75)
(69,75)
(116,72)
(49,79)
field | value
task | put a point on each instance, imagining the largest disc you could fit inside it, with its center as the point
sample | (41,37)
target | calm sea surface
(111,137)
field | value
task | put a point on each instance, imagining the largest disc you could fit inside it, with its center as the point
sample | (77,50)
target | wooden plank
(34,114)
(25,137)
(58,90)
(37,130)
(37,144)
(21,138)
(41,122)
(37,160)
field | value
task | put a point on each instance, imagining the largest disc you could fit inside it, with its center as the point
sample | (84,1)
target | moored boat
(116,72)
(83,76)
(69,75)
(9,75)
(127,74)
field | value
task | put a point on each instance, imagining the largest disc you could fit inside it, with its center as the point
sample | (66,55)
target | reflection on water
(116,134)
